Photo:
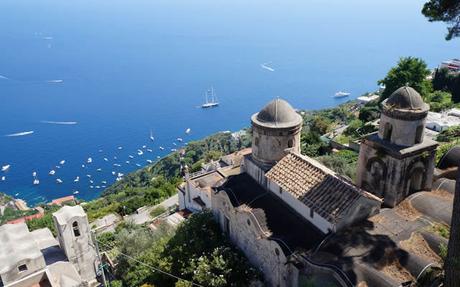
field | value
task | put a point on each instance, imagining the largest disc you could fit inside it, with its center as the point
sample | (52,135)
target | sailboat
(211,99)
(151,136)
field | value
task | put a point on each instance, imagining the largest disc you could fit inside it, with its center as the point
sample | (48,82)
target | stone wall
(403,133)
(269,144)
(245,231)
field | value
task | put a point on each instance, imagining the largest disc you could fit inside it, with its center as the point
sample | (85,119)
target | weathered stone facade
(275,129)
(398,160)
(247,233)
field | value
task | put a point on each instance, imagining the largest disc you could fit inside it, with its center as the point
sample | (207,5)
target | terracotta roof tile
(316,186)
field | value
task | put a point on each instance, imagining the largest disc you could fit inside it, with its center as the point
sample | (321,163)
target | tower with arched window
(74,235)
(398,160)
(275,129)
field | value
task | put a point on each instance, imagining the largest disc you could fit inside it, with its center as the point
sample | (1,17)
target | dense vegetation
(446,81)
(195,154)
(197,251)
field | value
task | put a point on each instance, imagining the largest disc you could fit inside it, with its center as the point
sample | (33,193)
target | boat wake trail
(267,67)
(20,134)
(4,78)
(59,123)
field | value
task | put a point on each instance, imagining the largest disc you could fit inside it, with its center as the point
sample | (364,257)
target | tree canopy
(409,71)
(447,11)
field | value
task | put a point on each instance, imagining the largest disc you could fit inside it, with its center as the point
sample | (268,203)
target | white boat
(91,181)
(83,166)
(267,67)
(144,146)
(130,156)
(118,179)
(139,152)
(211,99)
(151,136)
(76,192)
(114,157)
(114,173)
(90,160)
(106,159)
(103,186)
(16,194)
(187,131)
(341,94)
(173,149)
(179,139)
(77,179)
(97,186)
(149,161)
(36,182)
(20,134)
(52,172)
(99,169)
(174,144)
(149,150)
(120,174)
(62,162)
(162,148)
(88,175)
(138,164)
(128,162)
(120,147)
(104,182)
(3,178)
(34,174)
(6,167)
(100,150)
(59,181)
(58,166)
(117,164)
(91,186)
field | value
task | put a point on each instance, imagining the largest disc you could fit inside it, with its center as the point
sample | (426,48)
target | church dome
(277,113)
(405,98)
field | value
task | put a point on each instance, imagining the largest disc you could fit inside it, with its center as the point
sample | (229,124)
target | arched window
(419,134)
(387,131)
(290,143)
(76,229)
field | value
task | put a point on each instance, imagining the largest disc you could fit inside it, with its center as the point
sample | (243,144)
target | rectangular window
(22,268)
(226,225)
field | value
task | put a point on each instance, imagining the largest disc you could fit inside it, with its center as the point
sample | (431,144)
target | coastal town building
(398,160)
(37,259)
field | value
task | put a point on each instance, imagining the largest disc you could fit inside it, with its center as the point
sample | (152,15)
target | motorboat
(341,94)
(52,172)
(59,181)
(36,182)
(6,167)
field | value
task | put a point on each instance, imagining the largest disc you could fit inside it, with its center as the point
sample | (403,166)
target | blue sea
(122,68)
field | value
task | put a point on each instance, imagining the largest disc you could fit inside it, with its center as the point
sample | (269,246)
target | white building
(29,259)
(442,121)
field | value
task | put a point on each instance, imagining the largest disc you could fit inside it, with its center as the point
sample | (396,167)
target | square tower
(398,160)
(74,236)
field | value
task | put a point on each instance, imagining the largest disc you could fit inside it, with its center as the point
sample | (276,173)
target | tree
(409,71)
(439,101)
(452,262)
(447,11)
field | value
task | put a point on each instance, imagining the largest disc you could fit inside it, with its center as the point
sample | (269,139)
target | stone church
(301,223)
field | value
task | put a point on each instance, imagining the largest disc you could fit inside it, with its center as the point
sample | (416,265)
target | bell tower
(74,235)
(398,160)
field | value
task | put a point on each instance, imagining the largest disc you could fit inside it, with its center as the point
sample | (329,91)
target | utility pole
(93,235)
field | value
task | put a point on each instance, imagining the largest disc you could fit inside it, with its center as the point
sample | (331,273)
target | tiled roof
(316,186)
